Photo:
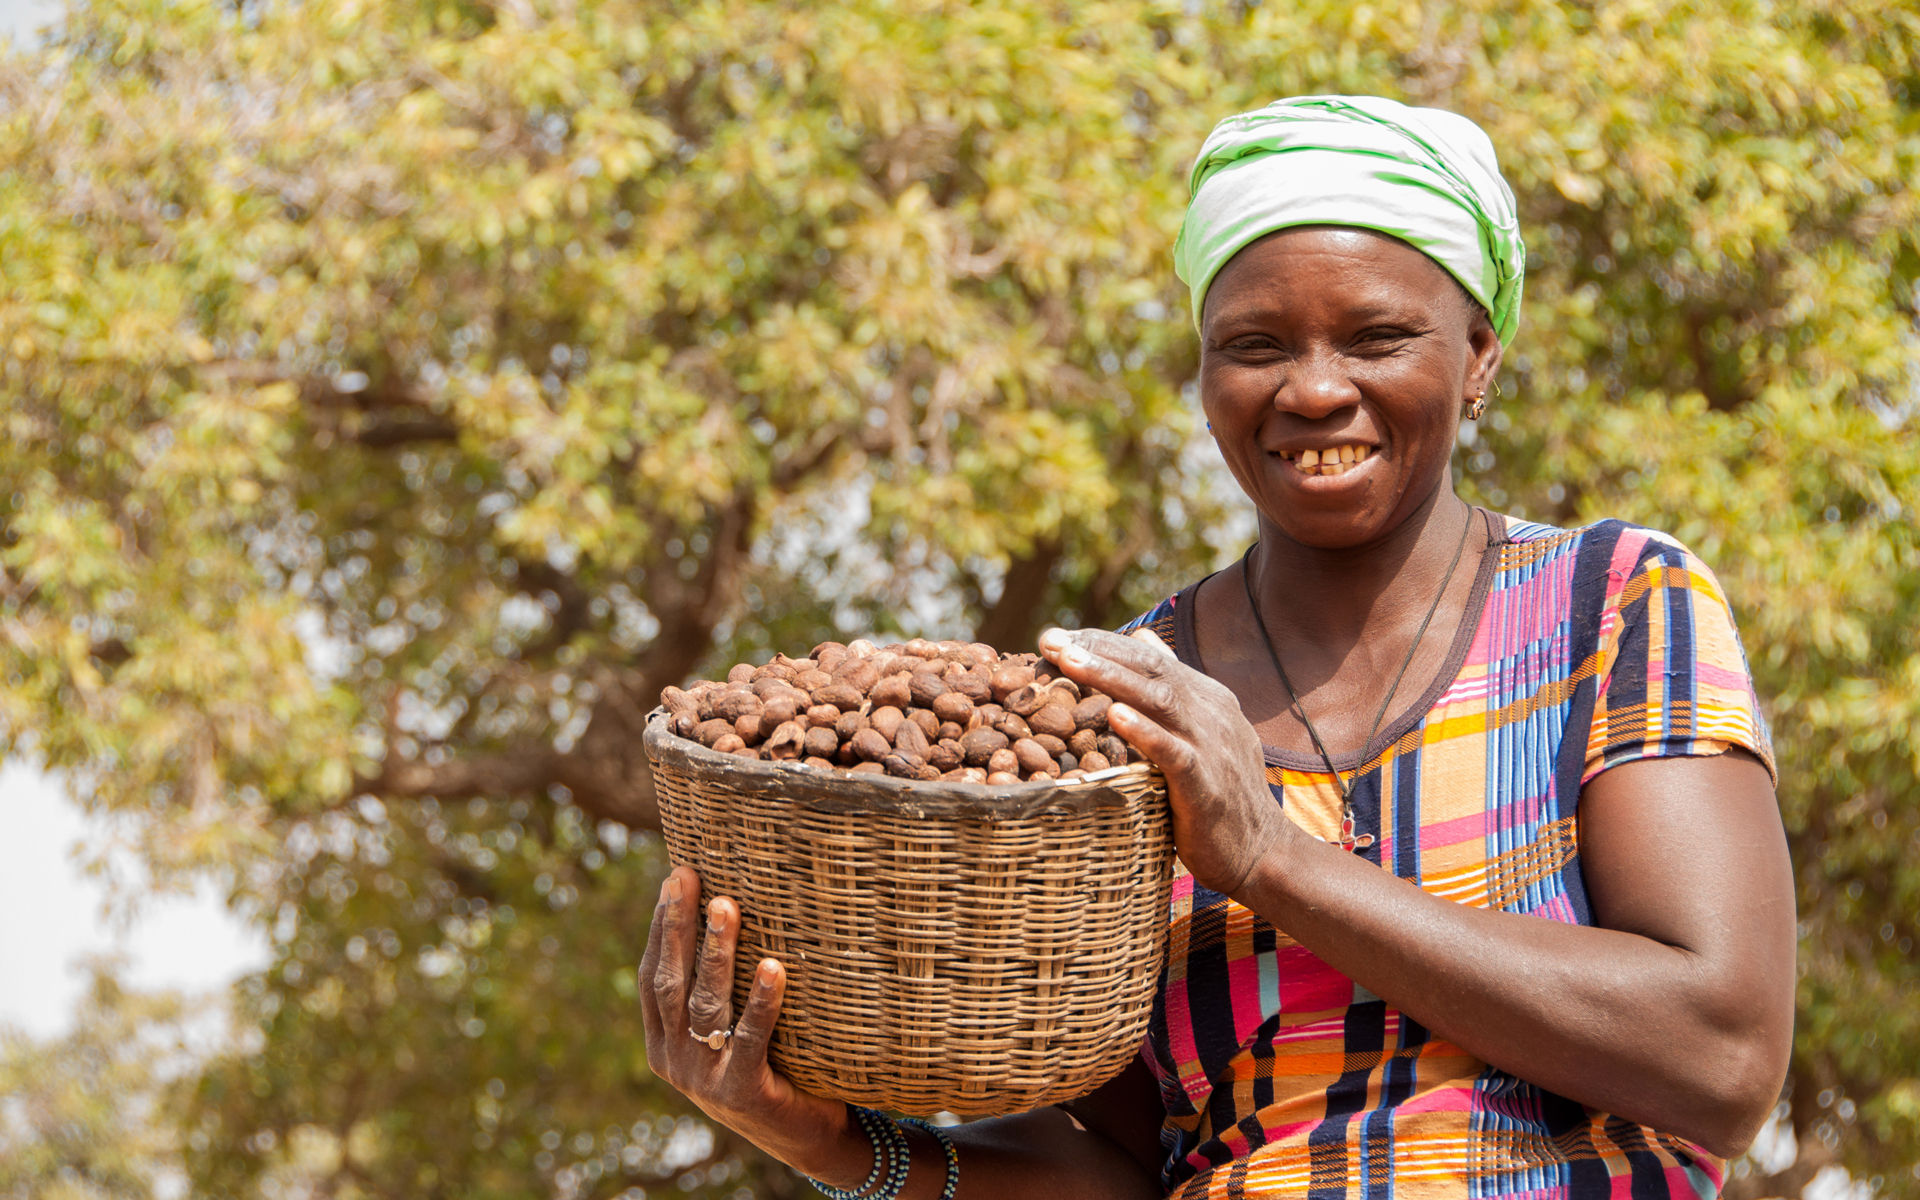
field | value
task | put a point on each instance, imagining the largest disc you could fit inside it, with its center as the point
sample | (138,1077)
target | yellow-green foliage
(397,394)
(78,1113)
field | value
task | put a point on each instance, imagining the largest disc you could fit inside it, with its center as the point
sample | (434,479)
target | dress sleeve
(1674,678)
(1158,620)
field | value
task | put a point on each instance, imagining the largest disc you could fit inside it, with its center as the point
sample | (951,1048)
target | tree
(401,394)
(78,1117)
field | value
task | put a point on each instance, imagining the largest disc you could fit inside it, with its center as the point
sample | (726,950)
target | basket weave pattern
(949,946)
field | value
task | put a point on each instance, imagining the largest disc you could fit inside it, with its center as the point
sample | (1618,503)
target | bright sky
(51,916)
(21,17)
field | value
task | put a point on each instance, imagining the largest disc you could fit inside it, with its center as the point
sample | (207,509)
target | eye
(1380,339)
(1250,344)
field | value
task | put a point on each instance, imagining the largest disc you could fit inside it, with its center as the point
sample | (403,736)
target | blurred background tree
(398,395)
(80,1115)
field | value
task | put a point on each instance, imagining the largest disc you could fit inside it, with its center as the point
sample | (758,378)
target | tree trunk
(1013,622)
(1096,606)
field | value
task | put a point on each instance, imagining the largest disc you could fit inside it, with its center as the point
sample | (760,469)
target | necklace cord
(1345,785)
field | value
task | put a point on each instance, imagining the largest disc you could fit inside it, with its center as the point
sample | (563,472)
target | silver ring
(712,1041)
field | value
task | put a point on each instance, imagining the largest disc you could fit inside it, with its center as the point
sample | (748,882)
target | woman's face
(1331,343)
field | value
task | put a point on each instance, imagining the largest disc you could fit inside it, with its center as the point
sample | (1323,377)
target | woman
(1483,888)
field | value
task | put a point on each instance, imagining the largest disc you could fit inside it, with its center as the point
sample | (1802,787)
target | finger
(672,970)
(1121,668)
(649,966)
(754,1031)
(1147,655)
(1167,750)
(710,1006)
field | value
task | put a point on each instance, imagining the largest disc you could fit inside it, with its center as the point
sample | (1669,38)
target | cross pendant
(1348,842)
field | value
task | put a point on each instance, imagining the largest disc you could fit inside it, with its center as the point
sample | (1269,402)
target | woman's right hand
(734,1085)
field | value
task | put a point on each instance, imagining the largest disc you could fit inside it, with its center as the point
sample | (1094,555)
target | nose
(1316,385)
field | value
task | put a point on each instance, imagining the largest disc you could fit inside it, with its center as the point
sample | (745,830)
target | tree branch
(607,770)
(810,457)
(1707,376)
(321,390)
(575,614)
(384,435)
(530,768)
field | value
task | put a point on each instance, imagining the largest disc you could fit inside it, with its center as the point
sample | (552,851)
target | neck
(1340,595)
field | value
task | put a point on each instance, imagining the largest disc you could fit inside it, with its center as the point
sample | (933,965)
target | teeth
(1336,461)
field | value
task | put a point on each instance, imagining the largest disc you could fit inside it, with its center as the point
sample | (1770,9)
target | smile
(1335,460)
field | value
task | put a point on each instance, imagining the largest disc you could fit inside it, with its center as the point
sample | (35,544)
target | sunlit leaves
(410,386)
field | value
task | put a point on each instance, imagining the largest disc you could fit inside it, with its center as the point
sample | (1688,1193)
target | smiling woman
(1434,930)
(1566,1001)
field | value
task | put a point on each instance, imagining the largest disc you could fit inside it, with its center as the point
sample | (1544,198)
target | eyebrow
(1365,310)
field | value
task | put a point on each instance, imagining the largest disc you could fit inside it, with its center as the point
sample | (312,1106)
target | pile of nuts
(954,711)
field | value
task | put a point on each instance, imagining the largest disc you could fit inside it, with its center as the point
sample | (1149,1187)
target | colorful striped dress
(1283,1077)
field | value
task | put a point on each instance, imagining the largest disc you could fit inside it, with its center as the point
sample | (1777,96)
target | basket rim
(857,792)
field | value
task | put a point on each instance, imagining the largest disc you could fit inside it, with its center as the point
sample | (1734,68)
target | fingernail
(1077,655)
(713,917)
(1121,711)
(764,978)
(1053,639)
(670,890)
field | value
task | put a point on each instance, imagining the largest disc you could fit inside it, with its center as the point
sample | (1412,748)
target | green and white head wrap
(1426,176)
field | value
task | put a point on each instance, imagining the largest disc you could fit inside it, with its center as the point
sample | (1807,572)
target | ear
(1484,354)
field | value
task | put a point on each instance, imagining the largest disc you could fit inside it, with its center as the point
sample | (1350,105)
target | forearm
(1042,1155)
(1620,1022)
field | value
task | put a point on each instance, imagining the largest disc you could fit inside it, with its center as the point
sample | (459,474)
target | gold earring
(1478,406)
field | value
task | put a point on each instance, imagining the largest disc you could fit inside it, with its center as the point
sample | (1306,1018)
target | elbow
(1737,1101)
(1744,1045)
(1731,1137)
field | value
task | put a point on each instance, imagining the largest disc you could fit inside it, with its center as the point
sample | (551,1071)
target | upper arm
(1689,852)
(1680,837)
(1680,834)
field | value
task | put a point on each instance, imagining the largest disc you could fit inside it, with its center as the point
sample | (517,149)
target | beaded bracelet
(947,1148)
(895,1158)
(879,1161)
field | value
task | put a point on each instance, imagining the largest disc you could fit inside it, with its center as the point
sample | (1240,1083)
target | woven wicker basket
(950,946)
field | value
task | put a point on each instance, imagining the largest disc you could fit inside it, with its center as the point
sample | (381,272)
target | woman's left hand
(1224,817)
